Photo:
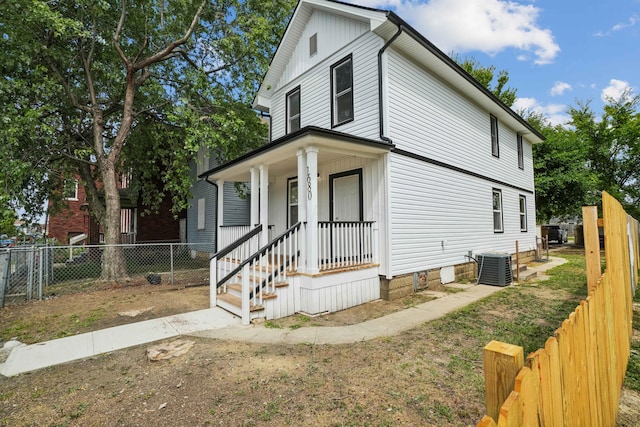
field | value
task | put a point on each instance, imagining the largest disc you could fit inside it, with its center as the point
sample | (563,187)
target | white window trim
(499,210)
(75,191)
(201,214)
(289,204)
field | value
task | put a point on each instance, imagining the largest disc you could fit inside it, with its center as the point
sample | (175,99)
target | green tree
(487,77)
(611,145)
(95,88)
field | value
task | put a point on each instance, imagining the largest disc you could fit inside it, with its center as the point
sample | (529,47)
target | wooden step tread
(237,302)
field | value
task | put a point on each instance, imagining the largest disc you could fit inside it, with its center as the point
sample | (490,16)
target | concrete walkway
(217,323)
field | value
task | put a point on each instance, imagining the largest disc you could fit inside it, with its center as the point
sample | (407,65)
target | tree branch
(116,35)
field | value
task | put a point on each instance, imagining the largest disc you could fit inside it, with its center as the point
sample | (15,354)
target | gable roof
(388,25)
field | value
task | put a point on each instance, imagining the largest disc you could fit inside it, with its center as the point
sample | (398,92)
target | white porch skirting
(337,291)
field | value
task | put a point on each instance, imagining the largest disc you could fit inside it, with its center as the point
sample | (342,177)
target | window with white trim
(495,147)
(497,211)
(523,213)
(71,189)
(342,91)
(201,205)
(293,110)
(292,201)
(520,152)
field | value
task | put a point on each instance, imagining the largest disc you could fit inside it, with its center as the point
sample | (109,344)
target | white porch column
(310,183)
(302,208)
(255,203)
(220,213)
(264,204)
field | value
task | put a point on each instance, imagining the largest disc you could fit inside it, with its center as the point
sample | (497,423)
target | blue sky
(557,52)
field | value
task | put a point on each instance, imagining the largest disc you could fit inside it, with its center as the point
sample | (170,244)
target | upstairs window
(520,152)
(497,211)
(202,160)
(495,147)
(293,110)
(71,189)
(523,213)
(342,92)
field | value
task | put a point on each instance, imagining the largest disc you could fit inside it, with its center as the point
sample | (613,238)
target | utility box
(495,269)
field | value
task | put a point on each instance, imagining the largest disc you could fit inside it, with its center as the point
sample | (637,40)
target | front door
(345,190)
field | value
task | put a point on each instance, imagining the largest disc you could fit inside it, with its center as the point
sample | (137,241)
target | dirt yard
(431,375)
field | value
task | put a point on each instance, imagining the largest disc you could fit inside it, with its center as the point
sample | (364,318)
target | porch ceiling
(281,155)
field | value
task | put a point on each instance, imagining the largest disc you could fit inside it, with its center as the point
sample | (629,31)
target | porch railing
(261,272)
(231,233)
(345,244)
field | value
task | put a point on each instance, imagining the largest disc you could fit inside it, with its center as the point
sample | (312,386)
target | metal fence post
(171,256)
(40,273)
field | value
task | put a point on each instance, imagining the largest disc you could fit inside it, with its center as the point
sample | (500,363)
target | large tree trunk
(114,266)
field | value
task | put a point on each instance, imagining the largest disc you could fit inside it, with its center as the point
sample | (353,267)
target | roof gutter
(383,137)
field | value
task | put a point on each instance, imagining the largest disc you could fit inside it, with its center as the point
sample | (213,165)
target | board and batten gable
(428,117)
(314,77)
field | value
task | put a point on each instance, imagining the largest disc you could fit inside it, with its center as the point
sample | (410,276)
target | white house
(386,159)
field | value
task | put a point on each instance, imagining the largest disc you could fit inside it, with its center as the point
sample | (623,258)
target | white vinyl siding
(428,117)
(439,215)
(315,86)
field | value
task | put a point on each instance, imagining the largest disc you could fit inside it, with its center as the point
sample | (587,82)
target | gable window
(497,211)
(293,110)
(313,44)
(71,190)
(342,92)
(520,152)
(523,213)
(495,148)
(292,201)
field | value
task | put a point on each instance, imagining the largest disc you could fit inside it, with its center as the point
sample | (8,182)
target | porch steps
(231,300)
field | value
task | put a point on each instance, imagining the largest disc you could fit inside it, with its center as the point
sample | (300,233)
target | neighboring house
(75,224)
(202,215)
(387,160)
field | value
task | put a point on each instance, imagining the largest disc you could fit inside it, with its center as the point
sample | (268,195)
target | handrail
(258,253)
(237,243)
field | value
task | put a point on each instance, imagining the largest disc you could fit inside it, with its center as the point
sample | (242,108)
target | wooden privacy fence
(576,379)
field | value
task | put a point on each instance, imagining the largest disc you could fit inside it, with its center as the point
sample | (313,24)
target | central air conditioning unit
(494,269)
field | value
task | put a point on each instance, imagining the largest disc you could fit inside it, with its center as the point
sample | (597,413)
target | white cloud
(616,90)
(488,26)
(555,113)
(633,19)
(559,88)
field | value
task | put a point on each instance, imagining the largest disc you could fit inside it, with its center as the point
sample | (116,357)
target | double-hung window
(293,110)
(71,189)
(520,152)
(342,91)
(523,213)
(495,147)
(497,211)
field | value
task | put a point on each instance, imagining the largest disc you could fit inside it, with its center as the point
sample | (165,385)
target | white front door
(346,196)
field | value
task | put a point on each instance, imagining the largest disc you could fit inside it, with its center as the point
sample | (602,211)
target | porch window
(342,92)
(293,110)
(497,211)
(520,152)
(523,213)
(495,147)
(292,201)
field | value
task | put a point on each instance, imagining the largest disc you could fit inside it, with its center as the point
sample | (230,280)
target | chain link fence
(36,272)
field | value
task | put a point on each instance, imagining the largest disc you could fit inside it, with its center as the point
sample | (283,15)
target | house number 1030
(309,194)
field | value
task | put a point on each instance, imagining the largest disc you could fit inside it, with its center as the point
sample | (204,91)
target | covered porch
(323,193)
